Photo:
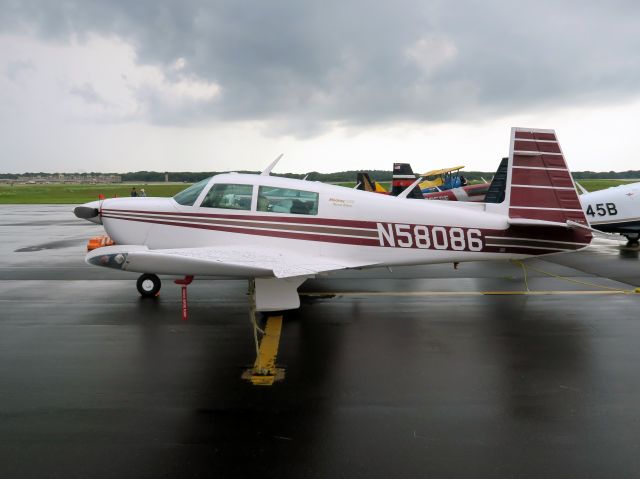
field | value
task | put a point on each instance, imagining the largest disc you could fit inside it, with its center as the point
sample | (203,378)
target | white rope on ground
(524,272)
(252,315)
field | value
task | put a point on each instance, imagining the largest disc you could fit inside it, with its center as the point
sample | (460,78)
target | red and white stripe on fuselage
(515,240)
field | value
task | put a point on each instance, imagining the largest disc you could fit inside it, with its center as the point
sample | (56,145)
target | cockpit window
(285,200)
(190,195)
(229,196)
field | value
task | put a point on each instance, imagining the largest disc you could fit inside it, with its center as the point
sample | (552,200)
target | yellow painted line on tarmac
(466,293)
(264,371)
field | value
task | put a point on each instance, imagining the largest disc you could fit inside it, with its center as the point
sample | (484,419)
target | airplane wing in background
(207,261)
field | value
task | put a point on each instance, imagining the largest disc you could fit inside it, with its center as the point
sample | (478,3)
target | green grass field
(595,185)
(78,194)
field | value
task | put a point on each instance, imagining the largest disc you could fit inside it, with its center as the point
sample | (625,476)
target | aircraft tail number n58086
(430,237)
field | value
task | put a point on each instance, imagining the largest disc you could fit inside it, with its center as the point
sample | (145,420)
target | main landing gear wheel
(148,285)
(633,241)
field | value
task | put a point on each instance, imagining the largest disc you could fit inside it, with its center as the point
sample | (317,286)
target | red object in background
(101,196)
(99,242)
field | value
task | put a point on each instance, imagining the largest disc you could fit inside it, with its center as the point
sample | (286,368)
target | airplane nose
(85,212)
(89,212)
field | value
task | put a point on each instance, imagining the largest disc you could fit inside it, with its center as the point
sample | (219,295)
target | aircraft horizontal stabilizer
(556,224)
(531,222)
(213,262)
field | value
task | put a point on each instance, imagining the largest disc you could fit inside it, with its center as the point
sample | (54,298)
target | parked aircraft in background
(277,232)
(451,183)
(615,210)
(487,192)
(445,184)
(365,183)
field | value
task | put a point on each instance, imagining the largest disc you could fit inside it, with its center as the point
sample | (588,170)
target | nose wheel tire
(148,285)
(632,240)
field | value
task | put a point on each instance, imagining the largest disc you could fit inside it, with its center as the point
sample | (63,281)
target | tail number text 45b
(429,237)
(602,209)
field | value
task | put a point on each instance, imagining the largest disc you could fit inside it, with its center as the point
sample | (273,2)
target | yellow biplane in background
(442,184)
(442,179)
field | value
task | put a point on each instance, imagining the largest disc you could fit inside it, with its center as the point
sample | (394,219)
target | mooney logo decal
(429,237)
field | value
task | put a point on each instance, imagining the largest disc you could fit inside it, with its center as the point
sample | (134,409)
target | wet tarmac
(383,379)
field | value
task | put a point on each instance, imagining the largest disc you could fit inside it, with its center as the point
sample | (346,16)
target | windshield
(190,195)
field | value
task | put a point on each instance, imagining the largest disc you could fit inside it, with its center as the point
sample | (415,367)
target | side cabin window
(285,200)
(190,195)
(229,196)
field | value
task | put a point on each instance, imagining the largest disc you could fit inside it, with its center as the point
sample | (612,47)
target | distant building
(61,178)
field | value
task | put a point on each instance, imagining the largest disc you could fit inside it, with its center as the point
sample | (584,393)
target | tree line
(337,177)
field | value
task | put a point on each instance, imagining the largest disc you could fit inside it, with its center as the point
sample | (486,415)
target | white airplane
(615,210)
(278,232)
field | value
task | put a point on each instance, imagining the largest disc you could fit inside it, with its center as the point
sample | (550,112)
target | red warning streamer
(185,306)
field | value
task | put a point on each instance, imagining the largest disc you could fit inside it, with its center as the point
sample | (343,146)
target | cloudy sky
(118,85)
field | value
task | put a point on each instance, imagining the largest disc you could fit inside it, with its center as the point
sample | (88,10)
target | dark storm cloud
(304,64)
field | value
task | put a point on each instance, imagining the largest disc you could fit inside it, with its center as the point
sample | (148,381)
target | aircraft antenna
(409,189)
(581,188)
(268,169)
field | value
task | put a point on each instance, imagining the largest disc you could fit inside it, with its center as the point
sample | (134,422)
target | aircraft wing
(442,171)
(220,261)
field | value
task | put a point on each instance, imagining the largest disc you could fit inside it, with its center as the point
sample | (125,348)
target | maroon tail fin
(539,184)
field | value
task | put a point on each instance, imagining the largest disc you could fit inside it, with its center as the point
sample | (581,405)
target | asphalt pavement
(384,378)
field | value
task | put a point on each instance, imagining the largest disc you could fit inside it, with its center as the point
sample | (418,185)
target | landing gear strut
(148,285)
(264,371)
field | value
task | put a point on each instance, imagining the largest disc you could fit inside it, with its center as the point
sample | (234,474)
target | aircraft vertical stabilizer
(403,177)
(539,184)
(365,183)
(498,186)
